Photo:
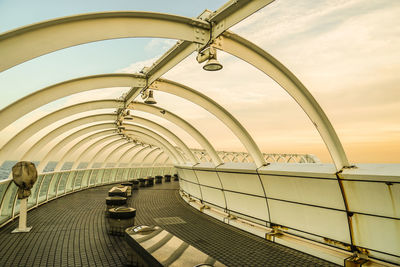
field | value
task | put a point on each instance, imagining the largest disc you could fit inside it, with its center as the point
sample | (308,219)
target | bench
(121,191)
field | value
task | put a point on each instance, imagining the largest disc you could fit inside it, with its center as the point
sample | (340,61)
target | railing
(51,185)
(244,157)
(357,209)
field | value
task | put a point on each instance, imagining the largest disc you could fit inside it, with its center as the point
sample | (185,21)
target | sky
(344,51)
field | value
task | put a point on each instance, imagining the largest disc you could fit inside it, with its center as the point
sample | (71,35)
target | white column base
(24,230)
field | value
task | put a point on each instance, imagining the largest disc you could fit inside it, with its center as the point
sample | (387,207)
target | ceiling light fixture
(209,54)
(150,99)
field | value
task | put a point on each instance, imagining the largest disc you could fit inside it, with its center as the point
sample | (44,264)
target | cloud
(345,52)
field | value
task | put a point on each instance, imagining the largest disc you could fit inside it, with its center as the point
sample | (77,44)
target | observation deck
(71,231)
(252,207)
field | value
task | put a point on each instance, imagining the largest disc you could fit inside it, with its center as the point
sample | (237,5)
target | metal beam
(160,140)
(217,110)
(38,39)
(118,149)
(165,132)
(136,155)
(99,129)
(256,56)
(51,93)
(149,154)
(182,124)
(153,140)
(125,154)
(14,148)
(42,146)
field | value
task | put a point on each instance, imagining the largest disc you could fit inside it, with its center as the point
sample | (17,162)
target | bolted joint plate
(201,36)
(139,82)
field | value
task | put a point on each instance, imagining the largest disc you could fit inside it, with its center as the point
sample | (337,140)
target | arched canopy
(168,26)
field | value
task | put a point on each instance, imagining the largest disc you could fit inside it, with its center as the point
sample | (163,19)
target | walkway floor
(70,231)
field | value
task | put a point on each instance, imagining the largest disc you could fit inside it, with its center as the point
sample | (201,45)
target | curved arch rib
(88,150)
(158,137)
(102,150)
(99,129)
(249,52)
(182,124)
(166,132)
(139,152)
(157,140)
(57,91)
(149,154)
(28,42)
(13,147)
(54,92)
(43,143)
(157,158)
(125,154)
(154,141)
(119,149)
(217,110)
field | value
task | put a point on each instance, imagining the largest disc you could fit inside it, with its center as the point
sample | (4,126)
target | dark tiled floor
(70,231)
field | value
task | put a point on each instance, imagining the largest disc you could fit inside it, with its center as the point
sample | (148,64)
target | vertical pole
(22,214)
(23,210)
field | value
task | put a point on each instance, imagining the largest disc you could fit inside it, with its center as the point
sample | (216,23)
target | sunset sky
(346,52)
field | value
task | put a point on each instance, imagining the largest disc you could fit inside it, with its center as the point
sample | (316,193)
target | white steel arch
(125,154)
(256,56)
(157,158)
(166,132)
(85,152)
(54,92)
(163,113)
(35,149)
(100,152)
(159,140)
(155,135)
(139,152)
(14,148)
(217,110)
(99,117)
(151,140)
(119,149)
(16,46)
(99,130)
(149,154)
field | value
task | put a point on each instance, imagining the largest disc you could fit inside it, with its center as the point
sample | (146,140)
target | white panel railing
(52,185)
(354,211)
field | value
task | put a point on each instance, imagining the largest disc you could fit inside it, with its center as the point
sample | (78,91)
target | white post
(23,209)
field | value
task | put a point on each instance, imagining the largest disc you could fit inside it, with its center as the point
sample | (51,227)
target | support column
(23,210)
